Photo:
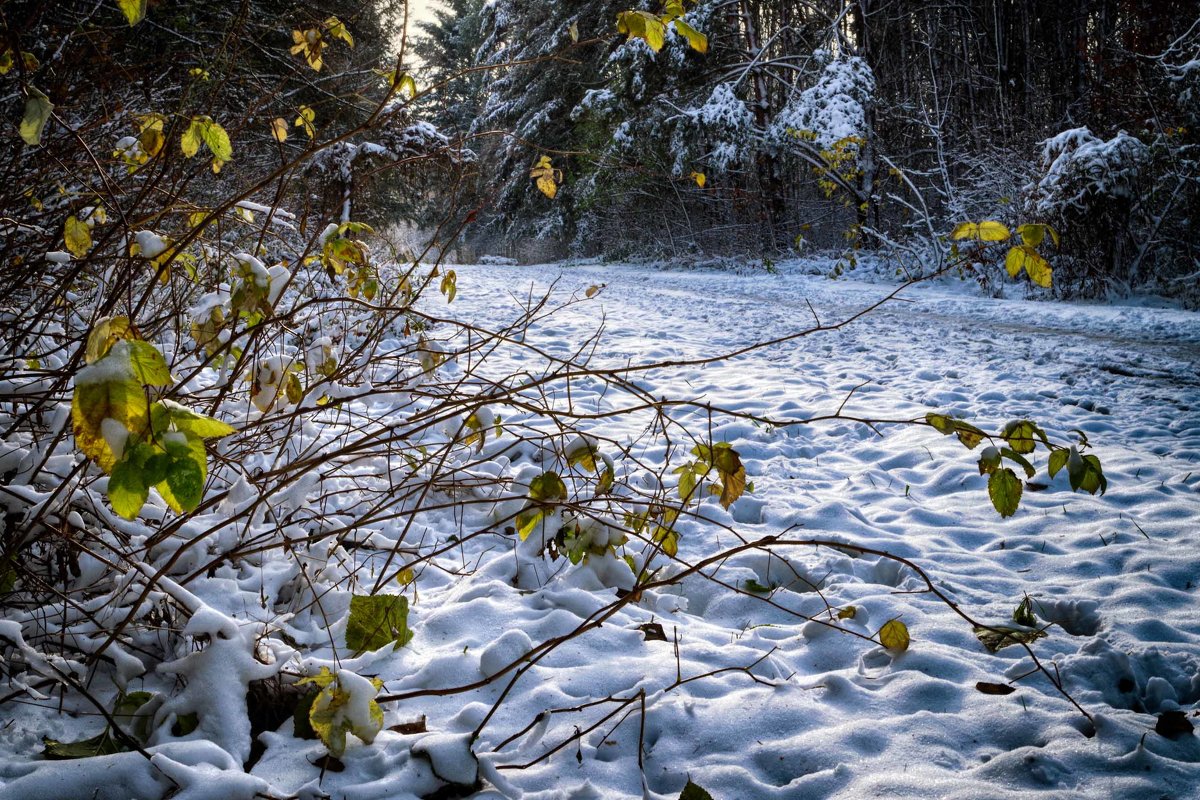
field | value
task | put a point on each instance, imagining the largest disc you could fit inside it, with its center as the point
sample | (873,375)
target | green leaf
(1020,435)
(989,460)
(998,636)
(185,479)
(693,792)
(1023,614)
(1019,459)
(894,635)
(1058,460)
(103,744)
(169,413)
(377,621)
(185,724)
(134,10)
(967,433)
(547,488)
(125,714)
(149,366)
(1004,488)
(1085,473)
(127,489)
(37,111)
(217,140)
(301,726)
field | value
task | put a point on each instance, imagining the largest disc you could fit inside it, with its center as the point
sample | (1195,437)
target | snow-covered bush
(1088,188)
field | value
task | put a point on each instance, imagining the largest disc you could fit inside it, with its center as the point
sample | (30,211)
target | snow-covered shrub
(1088,189)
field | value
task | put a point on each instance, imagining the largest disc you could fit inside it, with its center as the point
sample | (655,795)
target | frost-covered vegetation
(851,128)
(297,506)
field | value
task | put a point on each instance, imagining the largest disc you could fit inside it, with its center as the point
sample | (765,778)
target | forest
(586,399)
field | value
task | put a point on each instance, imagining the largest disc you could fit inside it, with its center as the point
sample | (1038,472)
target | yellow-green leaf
(449,286)
(1032,234)
(192,137)
(37,110)
(218,141)
(894,635)
(77,236)
(377,621)
(695,39)
(1004,489)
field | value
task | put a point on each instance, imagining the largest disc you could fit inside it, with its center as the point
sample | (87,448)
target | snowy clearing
(748,697)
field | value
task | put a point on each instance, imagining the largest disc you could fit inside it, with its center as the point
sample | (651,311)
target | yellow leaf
(993,232)
(642,25)
(134,10)
(309,43)
(894,635)
(77,236)
(982,231)
(572,29)
(192,137)
(546,177)
(305,120)
(279,129)
(1024,257)
(337,29)
(699,178)
(1014,262)
(964,230)
(1039,270)
(107,332)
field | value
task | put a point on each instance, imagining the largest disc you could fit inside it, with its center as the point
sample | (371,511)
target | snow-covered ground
(747,696)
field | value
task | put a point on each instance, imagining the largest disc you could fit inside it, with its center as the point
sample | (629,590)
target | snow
(833,108)
(150,244)
(751,695)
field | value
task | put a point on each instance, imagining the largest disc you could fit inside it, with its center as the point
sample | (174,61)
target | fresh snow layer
(747,697)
